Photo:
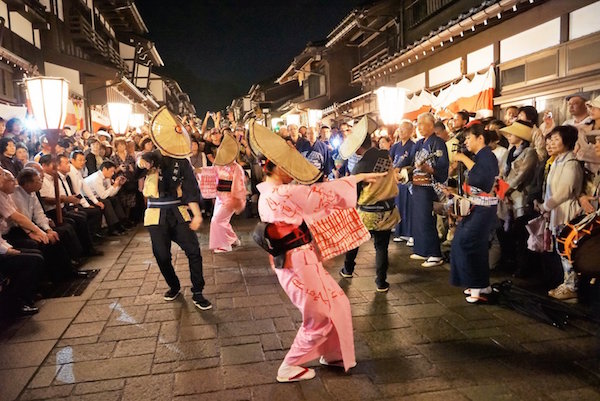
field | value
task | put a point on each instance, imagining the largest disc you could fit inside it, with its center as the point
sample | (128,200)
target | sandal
(305,374)
(481,299)
(338,364)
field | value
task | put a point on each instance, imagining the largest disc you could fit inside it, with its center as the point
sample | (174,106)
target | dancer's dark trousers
(173,229)
(381,240)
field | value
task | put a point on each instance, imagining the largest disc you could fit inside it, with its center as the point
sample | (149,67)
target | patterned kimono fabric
(326,317)
(228,201)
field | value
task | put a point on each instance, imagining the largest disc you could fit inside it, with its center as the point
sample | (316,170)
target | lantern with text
(391,104)
(119,114)
(48,98)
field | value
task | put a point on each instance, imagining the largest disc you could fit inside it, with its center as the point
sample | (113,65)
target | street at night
(340,200)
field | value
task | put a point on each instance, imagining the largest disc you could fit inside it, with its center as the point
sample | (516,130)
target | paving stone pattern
(120,341)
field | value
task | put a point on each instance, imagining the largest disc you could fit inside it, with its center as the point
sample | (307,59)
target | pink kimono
(222,235)
(327,320)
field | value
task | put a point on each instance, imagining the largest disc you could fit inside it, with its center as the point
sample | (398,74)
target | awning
(476,95)
(75,114)
(99,121)
(8,111)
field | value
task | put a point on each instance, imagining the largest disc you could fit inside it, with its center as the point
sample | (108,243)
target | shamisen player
(171,188)
(285,210)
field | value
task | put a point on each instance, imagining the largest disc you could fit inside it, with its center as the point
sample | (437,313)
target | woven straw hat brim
(169,135)
(277,150)
(227,151)
(357,137)
(519,130)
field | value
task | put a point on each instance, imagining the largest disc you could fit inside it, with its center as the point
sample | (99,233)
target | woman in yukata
(285,210)
(231,196)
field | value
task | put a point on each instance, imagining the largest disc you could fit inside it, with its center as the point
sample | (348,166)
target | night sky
(217,49)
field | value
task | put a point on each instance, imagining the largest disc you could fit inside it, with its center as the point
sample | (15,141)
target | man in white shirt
(105,190)
(584,151)
(57,254)
(69,204)
(92,214)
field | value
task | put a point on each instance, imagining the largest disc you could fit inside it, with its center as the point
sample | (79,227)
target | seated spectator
(23,268)
(105,189)
(69,204)
(64,246)
(8,160)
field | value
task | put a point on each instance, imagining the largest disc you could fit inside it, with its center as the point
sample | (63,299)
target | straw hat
(519,129)
(594,102)
(169,135)
(277,150)
(227,151)
(356,138)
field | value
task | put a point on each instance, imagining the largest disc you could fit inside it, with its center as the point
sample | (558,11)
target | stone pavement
(120,341)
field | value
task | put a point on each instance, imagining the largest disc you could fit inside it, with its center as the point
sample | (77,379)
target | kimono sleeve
(189,184)
(442,163)
(319,199)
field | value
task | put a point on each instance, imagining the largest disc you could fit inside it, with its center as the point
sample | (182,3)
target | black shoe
(171,294)
(383,287)
(28,310)
(201,302)
(80,273)
(344,273)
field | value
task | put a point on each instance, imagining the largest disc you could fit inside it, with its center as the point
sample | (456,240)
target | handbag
(339,232)
(539,235)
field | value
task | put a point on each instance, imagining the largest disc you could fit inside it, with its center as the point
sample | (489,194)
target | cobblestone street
(120,341)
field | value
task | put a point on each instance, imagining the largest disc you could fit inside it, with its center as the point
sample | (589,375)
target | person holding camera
(105,190)
(469,265)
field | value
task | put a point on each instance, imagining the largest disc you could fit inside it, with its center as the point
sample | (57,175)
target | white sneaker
(410,242)
(433,261)
(418,257)
(397,239)
(562,292)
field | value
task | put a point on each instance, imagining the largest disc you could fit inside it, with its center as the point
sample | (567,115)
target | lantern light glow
(48,98)
(136,120)
(390,101)
(292,119)
(119,114)
(314,116)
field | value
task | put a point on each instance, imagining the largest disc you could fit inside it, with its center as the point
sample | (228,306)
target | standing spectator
(13,128)
(530,114)
(563,187)
(510,115)
(126,166)
(316,152)
(517,169)
(93,159)
(22,154)
(8,160)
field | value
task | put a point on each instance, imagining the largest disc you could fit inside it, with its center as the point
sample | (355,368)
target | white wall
(530,41)
(445,72)
(413,84)
(156,87)
(53,70)
(480,59)
(4,11)
(584,21)
(21,26)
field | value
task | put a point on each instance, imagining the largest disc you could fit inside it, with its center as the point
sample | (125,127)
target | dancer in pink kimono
(231,196)
(285,210)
